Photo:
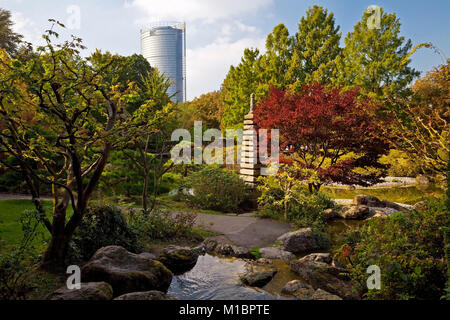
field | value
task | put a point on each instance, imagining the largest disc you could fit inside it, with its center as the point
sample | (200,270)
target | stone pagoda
(250,166)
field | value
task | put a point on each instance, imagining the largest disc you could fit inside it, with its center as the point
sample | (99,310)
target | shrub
(103,225)
(216,189)
(162,225)
(304,209)
(408,248)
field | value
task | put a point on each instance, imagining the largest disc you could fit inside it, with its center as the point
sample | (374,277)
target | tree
(207,108)
(58,114)
(421,122)
(276,61)
(374,59)
(147,151)
(315,49)
(329,133)
(9,40)
(240,82)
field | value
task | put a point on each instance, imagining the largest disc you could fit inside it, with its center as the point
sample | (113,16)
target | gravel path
(12,196)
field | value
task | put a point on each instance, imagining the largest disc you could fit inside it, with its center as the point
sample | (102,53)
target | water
(216,278)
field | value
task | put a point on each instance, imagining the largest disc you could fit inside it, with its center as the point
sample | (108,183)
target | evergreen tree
(315,49)
(8,39)
(241,81)
(276,61)
(376,59)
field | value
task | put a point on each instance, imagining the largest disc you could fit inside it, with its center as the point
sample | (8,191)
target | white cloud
(207,11)
(25,27)
(207,66)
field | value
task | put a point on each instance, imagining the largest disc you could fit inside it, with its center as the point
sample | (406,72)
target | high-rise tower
(163,44)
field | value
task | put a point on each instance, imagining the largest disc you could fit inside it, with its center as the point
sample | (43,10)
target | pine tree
(315,49)
(376,59)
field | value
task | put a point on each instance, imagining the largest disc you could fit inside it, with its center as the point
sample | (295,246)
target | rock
(297,288)
(369,201)
(257,274)
(355,212)
(178,259)
(148,255)
(323,295)
(421,179)
(224,247)
(326,276)
(209,244)
(146,295)
(303,240)
(241,252)
(393,205)
(330,214)
(276,253)
(88,291)
(319,257)
(420,205)
(126,272)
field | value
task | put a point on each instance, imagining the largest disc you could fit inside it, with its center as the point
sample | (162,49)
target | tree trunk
(145,191)
(55,255)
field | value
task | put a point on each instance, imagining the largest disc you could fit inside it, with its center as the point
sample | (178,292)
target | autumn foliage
(328,131)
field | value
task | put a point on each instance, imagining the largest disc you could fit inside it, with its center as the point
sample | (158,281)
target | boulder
(146,295)
(369,201)
(126,272)
(323,295)
(355,212)
(178,259)
(224,247)
(88,291)
(330,214)
(421,179)
(303,240)
(393,205)
(258,274)
(299,289)
(319,257)
(326,276)
(276,253)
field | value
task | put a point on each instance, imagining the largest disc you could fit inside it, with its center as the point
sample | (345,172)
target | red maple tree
(329,131)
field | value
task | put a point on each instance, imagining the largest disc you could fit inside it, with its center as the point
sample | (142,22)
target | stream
(217,278)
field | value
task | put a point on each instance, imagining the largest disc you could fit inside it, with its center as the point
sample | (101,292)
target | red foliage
(321,125)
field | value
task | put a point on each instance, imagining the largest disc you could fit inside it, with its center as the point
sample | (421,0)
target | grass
(10,227)
(408,195)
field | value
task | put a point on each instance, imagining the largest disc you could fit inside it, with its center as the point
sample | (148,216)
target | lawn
(10,227)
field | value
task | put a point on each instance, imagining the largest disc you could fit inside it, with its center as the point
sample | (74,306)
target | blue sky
(218,31)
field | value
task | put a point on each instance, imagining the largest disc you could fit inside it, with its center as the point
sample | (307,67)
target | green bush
(408,248)
(304,209)
(162,225)
(216,189)
(103,225)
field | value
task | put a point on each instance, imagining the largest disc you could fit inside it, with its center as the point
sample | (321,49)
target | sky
(218,31)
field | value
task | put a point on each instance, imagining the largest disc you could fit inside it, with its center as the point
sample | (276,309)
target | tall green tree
(241,81)
(376,58)
(9,40)
(315,49)
(276,61)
